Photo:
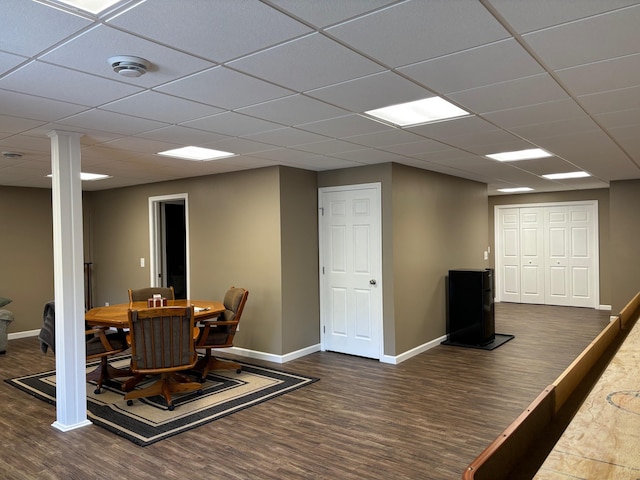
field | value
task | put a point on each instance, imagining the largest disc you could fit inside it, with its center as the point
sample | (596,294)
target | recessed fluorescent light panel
(527,154)
(197,154)
(91,6)
(421,111)
(89,177)
(515,189)
(563,176)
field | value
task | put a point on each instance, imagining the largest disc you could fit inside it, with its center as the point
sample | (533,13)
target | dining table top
(117,315)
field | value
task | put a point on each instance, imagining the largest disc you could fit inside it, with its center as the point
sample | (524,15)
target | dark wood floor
(425,418)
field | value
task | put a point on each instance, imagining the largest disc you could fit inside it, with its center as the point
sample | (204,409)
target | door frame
(155,237)
(497,241)
(377,186)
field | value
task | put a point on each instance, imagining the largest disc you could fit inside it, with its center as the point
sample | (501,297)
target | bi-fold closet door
(547,254)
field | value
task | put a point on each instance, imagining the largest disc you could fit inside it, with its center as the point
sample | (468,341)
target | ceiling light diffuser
(91,6)
(527,154)
(515,189)
(89,177)
(196,153)
(421,111)
(562,176)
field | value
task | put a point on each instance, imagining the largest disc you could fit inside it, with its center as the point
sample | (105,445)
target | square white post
(68,259)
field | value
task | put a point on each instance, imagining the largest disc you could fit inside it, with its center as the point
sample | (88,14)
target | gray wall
(601,195)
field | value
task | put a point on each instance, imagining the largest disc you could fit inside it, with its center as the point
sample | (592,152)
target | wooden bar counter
(603,439)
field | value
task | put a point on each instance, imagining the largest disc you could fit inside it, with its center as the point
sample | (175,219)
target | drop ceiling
(285,82)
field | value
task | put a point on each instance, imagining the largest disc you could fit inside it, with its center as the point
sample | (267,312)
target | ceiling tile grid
(284,82)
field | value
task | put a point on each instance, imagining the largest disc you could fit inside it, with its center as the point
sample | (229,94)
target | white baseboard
(270,357)
(413,352)
(25,334)
(604,307)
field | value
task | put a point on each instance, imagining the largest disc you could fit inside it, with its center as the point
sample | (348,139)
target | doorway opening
(169,243)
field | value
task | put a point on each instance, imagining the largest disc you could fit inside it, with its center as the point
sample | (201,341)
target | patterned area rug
(148,420)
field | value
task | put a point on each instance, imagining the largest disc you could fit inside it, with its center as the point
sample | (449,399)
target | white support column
(68,258)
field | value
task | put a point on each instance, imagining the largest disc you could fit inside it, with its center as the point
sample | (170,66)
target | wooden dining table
(117,316)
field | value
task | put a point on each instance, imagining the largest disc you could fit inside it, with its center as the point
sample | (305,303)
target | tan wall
(625,241)
(430,223)
(300,276)
(601,195)
(439,224)
(26,242)
(234,224)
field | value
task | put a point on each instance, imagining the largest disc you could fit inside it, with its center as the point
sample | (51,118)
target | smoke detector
(129,66)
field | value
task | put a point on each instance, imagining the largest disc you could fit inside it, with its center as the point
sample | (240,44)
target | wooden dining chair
(101,343)
(162,343)
(219,333)
(143,294)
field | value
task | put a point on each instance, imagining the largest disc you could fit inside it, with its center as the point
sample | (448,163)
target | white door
(532,255)
(350,269)
(508,261)
(569,263)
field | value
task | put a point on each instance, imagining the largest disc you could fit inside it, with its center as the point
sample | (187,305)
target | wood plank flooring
(425,418)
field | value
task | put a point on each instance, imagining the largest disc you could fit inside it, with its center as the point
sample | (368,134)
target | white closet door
(509,255)
(532,255)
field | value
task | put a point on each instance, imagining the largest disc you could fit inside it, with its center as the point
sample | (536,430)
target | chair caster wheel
(129,402)
(171,407)
(200,392)
(239,370)
(97,391)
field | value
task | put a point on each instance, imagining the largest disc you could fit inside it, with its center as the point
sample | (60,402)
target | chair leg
(105,372)
(209,363)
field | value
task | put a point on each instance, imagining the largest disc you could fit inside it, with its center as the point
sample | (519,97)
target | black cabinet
(470,306)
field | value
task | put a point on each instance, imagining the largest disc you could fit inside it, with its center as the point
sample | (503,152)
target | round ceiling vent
(128,66)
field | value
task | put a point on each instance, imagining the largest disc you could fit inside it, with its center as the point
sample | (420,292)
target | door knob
(372,282)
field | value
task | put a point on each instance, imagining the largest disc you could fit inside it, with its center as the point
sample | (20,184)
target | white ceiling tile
(582,41)
(476,67)
(526,16)
(612,100)
(514,93)
(414,31)
(601,76)
(21,105)
(345,126)
(370,156)
(111,122)
(285,137)
(293,110)
(623,118)
(182,135)
(251,24)
(371,92)
(328,147)
(555,128)
(318,62)
(454,127)
(233,123)
(158,106)
(9,61)
(70,86)
(384,138)
(29,27)
(223,88)
(328,12)
(17,125)
(241,146)
(535,114)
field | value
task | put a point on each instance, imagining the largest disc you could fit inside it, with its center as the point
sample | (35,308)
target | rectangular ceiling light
(421,111)
(527,154)
(515,189)
(563,176)
(91,6)
(197,154)
(89,177)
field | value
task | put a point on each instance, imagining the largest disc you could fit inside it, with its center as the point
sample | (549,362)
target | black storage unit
(471,310)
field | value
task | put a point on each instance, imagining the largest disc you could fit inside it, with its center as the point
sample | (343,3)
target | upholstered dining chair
(142,294)
(162,343)
(101,343)
(219,333)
